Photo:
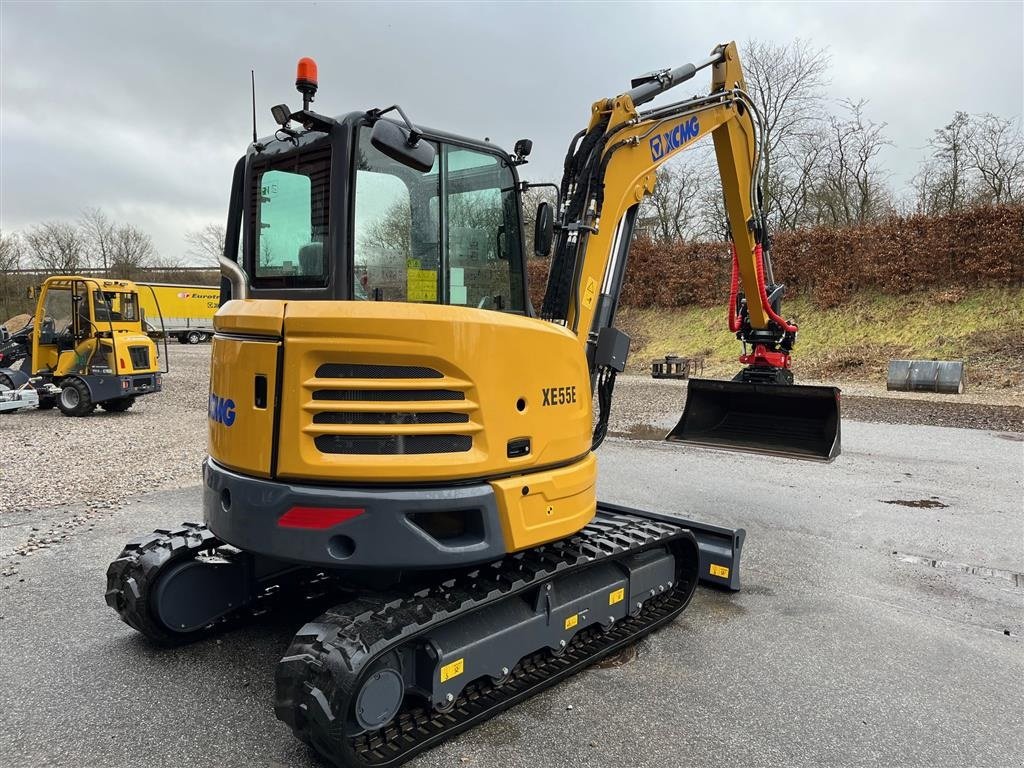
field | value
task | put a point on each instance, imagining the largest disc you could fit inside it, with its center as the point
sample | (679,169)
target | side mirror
(544,229)
(393,141)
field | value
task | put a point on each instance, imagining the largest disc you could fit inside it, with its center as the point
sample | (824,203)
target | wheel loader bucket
(799,422)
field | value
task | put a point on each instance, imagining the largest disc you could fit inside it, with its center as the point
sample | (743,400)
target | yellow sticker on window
(572,621)
(719,570)
(421,285)
(589,293)
(617,596)
(456,668)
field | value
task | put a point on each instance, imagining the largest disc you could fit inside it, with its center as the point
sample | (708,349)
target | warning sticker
(572,621)
(589,293)
(421,285)
(719,570)
(617,596)
(456,668)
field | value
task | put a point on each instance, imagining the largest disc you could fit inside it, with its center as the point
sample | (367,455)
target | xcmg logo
(665,143)
(222,410)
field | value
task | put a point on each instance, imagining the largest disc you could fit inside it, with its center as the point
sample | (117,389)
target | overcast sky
(142,108)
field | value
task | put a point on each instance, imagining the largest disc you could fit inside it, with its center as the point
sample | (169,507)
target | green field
(856,341)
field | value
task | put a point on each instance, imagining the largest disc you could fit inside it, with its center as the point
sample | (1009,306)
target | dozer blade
(799,422)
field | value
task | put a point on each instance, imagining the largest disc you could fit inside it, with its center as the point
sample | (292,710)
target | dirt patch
(917,503)
(640,432)
(619,658)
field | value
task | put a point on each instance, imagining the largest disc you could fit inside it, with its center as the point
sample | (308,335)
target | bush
(975,248)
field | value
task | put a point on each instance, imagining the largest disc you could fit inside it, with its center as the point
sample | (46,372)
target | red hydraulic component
(762,356)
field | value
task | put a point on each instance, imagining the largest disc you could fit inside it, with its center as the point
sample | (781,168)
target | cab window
(396,233)
(400,226)
(291,211)
(483,232)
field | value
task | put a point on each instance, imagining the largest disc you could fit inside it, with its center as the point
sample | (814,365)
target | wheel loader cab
(387,343)
(91,343)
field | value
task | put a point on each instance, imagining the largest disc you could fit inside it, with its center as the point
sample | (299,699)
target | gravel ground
(106,458)
(103,458)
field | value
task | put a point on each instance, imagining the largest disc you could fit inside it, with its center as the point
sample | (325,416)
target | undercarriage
(388,671)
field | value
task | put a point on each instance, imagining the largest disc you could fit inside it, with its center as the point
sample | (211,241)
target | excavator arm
(609,169)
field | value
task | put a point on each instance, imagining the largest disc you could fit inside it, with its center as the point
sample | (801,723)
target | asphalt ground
(874,627)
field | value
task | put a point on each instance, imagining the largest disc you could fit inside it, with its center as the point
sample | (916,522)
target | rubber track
(132,576)
(330,656)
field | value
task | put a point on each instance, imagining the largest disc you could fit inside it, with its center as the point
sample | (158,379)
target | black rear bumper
(394,529)
(386,528)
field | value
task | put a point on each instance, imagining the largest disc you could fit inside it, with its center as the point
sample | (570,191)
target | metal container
(944,376)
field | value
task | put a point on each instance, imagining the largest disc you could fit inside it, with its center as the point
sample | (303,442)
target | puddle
(917,503)
(619,658)
(1017,579)
(640,432)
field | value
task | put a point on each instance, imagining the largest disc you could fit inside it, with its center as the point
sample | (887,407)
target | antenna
(252,74)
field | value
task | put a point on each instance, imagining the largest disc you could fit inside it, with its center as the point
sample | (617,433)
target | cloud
(142,109)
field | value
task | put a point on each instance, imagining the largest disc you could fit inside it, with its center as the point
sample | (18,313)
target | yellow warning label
(421,285)
(617,596)
(719,570)
(572,621)
(456,668)
(589,293)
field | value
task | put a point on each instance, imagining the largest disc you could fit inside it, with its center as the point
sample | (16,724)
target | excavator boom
(609,170)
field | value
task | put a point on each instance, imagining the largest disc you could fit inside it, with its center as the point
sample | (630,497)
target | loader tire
(5,381)
(75,398)
(47,402)
(120,405)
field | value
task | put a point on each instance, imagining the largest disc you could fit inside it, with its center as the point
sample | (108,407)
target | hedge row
(968,249)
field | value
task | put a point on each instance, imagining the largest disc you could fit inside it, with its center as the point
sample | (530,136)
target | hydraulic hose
(759,263)
(734,289)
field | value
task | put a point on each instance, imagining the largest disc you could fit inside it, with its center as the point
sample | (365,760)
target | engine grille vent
(389,410)
(388,395)
(360,371)
(393,445)
(389,417)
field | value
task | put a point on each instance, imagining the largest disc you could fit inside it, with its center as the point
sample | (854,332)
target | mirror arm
(525,185)
(414,133)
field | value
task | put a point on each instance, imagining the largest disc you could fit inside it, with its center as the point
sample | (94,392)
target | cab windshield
(448,236)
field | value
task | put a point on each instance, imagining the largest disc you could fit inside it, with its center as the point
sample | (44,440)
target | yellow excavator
(395,430)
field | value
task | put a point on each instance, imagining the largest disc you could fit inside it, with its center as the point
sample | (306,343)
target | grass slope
(857,340)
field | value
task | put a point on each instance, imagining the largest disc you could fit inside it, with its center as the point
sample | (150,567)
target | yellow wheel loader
(394,429)
(87,347)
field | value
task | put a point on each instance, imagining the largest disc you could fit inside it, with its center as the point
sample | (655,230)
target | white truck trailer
(187,310)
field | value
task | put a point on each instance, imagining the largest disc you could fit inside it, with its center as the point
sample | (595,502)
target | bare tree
(207,244)
(793,181)
(995,151)
(852,188)
(11,251)
(392,232)
(98,231)
(131,250)
(786,82)
(57,246)
(949,154)
(673,211)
